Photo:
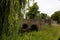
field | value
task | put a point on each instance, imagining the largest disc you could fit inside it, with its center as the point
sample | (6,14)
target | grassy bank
(47,33)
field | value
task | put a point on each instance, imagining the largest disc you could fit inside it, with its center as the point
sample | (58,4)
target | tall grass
(46,33)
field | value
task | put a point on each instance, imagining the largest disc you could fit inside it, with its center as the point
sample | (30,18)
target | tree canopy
(56,16)
(44,16)
(33,11)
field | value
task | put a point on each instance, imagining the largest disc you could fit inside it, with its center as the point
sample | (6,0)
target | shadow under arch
(34,27)
(24,26)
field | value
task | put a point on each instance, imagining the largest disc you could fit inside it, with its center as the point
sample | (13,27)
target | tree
(10,11)
(38,17)
(4,12)
(43,16)
(33,11)
(56,16)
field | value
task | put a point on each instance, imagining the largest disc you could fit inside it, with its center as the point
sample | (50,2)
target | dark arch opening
(24,26)
(34,27)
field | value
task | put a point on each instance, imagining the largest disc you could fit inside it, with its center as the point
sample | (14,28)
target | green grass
(47,33)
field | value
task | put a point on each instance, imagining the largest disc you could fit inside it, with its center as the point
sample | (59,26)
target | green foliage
(33,11)
(44,16)
(38,17)
(14,19)
(10,17)
(4,12)
(47,33)
(56,16)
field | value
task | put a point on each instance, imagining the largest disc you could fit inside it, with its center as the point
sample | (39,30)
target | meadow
(46,33)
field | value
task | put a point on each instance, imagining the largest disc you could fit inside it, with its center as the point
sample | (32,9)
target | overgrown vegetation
(11,17)
(47,33)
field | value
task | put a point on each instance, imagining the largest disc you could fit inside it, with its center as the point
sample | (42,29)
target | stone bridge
(32,24)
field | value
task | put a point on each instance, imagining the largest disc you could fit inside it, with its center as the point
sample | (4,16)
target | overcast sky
(48,6)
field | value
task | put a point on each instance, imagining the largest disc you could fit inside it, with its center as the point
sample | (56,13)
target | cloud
(48,6)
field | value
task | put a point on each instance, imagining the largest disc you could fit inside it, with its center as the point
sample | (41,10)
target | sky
(48,6)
